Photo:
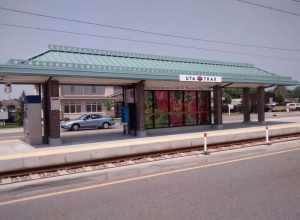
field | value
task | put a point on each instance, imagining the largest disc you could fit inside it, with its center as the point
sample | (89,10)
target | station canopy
(79,65)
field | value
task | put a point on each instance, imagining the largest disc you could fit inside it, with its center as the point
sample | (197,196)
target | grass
(9,125)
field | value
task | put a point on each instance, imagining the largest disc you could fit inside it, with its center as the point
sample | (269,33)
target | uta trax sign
(200,78)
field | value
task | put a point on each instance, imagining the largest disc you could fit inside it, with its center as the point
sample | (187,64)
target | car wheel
(105,125)
(75,127)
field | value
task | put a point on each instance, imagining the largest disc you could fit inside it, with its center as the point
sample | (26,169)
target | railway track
(55,171)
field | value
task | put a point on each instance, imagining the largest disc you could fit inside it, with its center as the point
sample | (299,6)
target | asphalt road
(259,188)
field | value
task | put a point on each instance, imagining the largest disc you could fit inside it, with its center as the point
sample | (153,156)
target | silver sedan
(88,121)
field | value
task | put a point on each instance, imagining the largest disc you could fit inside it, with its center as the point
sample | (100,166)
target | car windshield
(82,117)
(95,116)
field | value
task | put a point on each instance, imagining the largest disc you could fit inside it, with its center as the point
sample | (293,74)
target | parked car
(270,107)
(88,121)
(293,106)
(279,108)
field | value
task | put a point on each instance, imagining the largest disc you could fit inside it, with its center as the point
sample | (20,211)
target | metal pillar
(261,104)
(217,93)
(246,105)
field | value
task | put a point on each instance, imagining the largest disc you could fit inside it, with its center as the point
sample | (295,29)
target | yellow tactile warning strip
(139,141)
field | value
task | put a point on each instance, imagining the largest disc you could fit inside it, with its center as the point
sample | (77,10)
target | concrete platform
(26,156)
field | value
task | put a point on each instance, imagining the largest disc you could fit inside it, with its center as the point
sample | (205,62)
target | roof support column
(217,96)
(140,109)
(246,105)
(45,108)
(52,112)
(261,104)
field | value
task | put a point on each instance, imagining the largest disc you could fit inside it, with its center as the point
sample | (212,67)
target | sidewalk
(11,130)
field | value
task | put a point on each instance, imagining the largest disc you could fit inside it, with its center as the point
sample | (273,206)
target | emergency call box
(32,120)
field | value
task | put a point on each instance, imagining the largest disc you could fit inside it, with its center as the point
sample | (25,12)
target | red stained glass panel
(176,108)
(149,109)
(190,107)
(161,109)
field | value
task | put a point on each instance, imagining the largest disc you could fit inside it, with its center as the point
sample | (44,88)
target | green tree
(227,98)
(234,93)
(280,93)
(108,104)
(296,92)
(20,110)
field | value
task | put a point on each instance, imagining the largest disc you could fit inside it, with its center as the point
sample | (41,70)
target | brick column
(261,104)
(140,109)
(246,105)
(45,108)
(217,93)
(52,112)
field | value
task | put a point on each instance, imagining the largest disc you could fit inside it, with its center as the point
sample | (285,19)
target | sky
(218,20)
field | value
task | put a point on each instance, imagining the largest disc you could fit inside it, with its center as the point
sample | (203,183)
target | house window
(66,89)
(89,107)
(72,89)
(93,89)
(72,108)
(78,108)
(84,89)
(99,107)
(93,107)
(66,108)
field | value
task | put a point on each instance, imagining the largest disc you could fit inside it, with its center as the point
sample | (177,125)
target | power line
(269,7)
(146,42)
(148,32)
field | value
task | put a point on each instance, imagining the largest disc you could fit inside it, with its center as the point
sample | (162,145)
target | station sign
(3,116)
(54,104)
(200,78)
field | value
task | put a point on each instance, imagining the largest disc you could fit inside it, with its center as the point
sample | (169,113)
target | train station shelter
(159,91)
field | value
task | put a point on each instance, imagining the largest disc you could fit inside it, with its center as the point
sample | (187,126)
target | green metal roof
(72,61)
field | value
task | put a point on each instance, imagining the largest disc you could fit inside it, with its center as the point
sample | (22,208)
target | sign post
(267,136)
(230,106)
(205,150)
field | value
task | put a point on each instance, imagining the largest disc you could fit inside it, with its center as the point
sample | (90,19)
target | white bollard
(205,151)
(267,136)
